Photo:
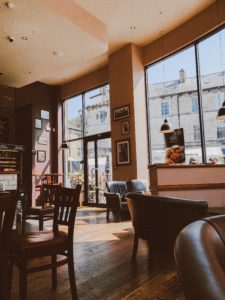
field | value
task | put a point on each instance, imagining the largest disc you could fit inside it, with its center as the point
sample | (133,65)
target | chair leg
(107,213)
(135,247)
(23,280)
(23,223)
(6,276)
(72,279)
(54,271)
(41,221)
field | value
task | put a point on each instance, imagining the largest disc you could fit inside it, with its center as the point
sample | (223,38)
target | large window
(84,115)
(187,89)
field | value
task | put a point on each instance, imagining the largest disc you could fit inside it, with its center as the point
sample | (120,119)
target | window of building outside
(176,79)
(197,134)
(165,109)
(194,104)
(84,115)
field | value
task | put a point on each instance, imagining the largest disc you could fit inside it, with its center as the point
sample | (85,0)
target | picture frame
(121,112)
(123,152)
(44,114)
(41,156)
(38,124)
(42,140)
(125,127)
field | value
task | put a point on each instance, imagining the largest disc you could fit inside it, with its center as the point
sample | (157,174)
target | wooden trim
(164,166)
(182,187)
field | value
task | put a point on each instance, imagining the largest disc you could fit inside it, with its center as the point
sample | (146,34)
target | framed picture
(125,127)
(38,124)
(45,114)
(42,140)
(123,152)
(121,112)
(41,156)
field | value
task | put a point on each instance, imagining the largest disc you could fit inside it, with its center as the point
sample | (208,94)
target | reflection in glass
(97,111)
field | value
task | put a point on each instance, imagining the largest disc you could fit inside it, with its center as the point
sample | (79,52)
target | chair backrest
(119,187)
(159,219)
(135,185)
(7,213)
(66,202)
(200,259)
(48,193)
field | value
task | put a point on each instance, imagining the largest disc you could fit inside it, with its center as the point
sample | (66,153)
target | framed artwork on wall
(38,124)
(123,152)
(121,112)
(41,156)
(45,114)
(125,127)
(42,140)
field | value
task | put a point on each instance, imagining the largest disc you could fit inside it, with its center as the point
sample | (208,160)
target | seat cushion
(39,243)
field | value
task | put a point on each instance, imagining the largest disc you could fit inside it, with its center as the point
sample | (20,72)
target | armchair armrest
(113,200)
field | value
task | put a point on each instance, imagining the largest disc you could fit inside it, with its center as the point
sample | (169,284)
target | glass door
(98,168)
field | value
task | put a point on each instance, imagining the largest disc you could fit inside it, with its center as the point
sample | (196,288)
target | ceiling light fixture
(132,27)
(24,38)
(10,4)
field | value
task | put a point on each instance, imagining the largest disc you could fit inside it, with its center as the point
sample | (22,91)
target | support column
(127,87)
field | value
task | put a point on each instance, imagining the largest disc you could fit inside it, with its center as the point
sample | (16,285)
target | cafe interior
(112,149)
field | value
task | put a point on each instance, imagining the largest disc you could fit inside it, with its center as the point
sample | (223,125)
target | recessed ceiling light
(132,27)
(24,38)
(58,53)
(10,4)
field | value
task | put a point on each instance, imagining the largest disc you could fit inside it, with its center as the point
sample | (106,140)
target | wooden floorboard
(103,266)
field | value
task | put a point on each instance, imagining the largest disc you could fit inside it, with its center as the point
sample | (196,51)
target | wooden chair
(7,214)
(50,243)
(45,210)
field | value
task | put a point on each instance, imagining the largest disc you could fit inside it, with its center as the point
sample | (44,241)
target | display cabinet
(11,157)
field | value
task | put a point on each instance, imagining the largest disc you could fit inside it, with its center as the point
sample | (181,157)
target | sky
(212,60)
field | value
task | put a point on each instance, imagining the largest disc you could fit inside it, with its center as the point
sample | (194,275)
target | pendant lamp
(166,127)
(65,145)
(221,112)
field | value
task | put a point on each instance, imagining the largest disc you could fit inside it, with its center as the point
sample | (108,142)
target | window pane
(73,162)
(212,69)
(172,90)
(97,111)
(73,128)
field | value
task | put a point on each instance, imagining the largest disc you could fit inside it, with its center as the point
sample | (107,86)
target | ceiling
(56,41)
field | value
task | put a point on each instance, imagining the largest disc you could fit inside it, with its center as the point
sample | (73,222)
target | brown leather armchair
(200,258)
(159,219)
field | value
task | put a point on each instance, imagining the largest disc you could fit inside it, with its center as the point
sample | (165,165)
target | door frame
(92,138)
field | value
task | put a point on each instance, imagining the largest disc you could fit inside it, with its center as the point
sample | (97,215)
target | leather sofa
(200,258)
(159,219)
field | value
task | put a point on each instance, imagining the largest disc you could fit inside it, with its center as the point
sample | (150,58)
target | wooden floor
(102,262)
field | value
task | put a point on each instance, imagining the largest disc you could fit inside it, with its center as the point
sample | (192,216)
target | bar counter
(200,182)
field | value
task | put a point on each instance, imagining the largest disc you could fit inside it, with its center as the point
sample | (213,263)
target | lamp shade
(166,127)
(221,112)
(65,145)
